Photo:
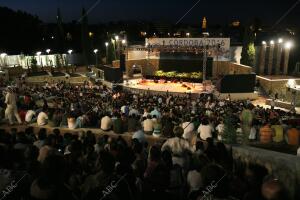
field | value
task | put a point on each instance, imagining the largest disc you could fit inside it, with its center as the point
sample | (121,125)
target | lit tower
(204,24)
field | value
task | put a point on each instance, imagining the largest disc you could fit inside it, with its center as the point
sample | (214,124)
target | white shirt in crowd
(123,109)
(146,114)
(148,125)
(134,111)
(106,123)
(188,128)
(177,146)
(220,128)
(29,115)
(205,131)
(298,152)
(42,119)
(156,113)
(10,99)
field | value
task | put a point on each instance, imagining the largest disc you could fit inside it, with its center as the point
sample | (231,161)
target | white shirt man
(29,116)
(188,128)
(106,123)
(42,119)
(134,111)
(148,125)
(11,108)
(205,131)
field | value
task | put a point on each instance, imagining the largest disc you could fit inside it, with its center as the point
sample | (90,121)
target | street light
(264,42)
(70,51)
(288,45)
(188,34)
(48,51)
(123,42)
(280,40)
(272,42)
(117,37)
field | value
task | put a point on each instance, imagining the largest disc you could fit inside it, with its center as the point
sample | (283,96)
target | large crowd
(190,161)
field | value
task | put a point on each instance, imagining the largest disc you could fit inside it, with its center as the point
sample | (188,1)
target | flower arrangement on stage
(176,75)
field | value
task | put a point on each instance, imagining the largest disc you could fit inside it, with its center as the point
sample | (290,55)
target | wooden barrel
(265,135)
(71,123)
(293,136)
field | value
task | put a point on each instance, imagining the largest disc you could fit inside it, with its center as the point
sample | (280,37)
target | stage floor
(161,86)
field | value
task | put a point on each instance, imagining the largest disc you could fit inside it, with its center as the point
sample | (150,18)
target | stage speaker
(123,62)
(237,83)
(112,74)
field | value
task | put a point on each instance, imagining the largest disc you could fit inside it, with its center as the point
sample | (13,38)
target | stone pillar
(278,58)
(262,59)
(286,60)
(271,55)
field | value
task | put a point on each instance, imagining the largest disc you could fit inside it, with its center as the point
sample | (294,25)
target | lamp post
(262,60)
(204,62)
(47,60)
(106,47)
(117,46)
(39,57)
(70,51)
(271,56)
(278,56)
(287,47)
(96,56)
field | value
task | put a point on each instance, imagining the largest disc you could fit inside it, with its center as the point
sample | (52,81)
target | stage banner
(218,48)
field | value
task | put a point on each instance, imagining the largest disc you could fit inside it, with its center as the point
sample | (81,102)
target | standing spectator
(205,129)
(11,107)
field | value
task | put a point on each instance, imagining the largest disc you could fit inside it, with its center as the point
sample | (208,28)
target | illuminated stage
(143,85)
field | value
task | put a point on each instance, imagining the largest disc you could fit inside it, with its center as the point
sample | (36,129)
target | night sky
(217,11)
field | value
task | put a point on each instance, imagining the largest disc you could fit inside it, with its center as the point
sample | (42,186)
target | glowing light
(280,40)
(95,51)
(272,42)
(117,37)
(38,53)
(48,51)
(70,51)
(123,41)
(3,55)
(106,44)
(264,42)
(288,45)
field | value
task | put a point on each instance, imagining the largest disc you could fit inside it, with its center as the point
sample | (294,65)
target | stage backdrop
(219,48)
(184,62)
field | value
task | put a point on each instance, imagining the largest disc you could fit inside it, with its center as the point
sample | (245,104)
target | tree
(248,51)
(60,35)
(85,40)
